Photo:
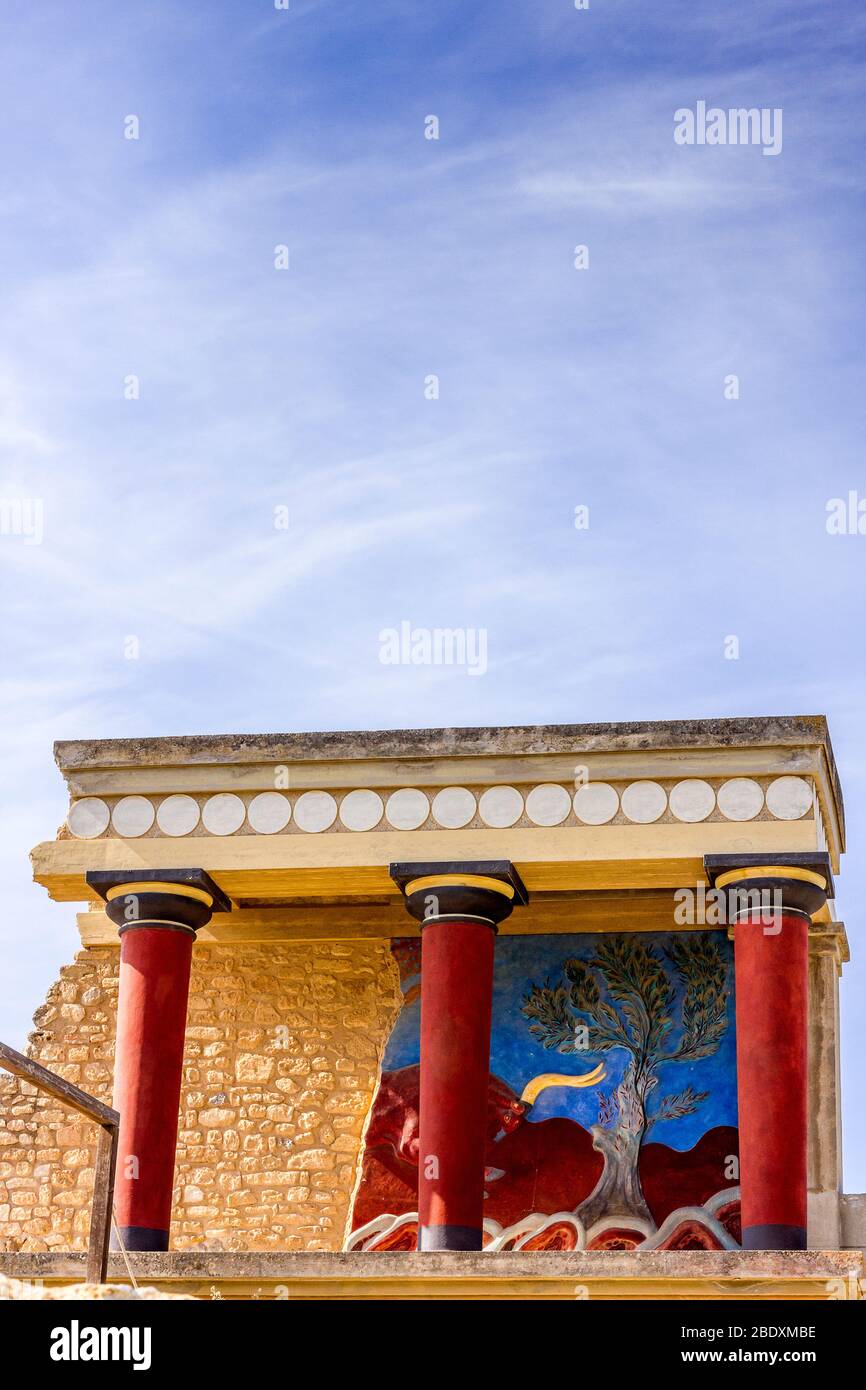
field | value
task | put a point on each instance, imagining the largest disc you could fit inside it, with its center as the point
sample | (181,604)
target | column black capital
(484,890)
(175,899)
(797,882)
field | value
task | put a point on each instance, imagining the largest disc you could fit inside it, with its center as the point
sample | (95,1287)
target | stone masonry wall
(283,1046)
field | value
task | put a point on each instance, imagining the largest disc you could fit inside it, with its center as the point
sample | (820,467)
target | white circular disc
(269,812)
(315,811)
(132,816)
(500,807)
(692,800)
(407,809)
(644,802)
(548,804)
(361,809)
(789,798)
(178,814)
(453,807)
(88,818)
(595,803)
(223,814)
(740,799)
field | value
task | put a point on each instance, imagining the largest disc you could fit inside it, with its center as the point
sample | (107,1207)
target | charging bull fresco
(611,1108)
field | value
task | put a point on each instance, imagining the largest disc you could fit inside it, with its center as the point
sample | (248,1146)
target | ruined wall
(283,1046)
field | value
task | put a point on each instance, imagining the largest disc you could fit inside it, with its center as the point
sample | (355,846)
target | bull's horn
(533,1088)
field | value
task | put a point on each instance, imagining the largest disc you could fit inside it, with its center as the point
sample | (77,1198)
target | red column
(151,1022)
(456,1004)
(458,907)
(771,903)
(771,969)
(157,913)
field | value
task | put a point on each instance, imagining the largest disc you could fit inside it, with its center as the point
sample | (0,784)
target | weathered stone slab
(688,1274)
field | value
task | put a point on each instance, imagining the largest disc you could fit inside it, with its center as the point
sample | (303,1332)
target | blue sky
(305,388)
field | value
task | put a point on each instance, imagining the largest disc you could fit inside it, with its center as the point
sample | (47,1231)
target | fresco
(612,1106)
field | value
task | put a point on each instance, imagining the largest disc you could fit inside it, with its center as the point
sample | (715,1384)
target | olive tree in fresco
(627,996)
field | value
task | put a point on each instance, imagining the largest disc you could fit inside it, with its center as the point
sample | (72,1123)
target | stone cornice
(279,816)
(782,731)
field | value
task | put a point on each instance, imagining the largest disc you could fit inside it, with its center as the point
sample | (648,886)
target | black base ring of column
(774,1238)
(744,917)
(153,925)
(140,1238)
(458,917)
(449,1238)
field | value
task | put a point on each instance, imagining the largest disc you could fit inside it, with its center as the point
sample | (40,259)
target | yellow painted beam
(556,859)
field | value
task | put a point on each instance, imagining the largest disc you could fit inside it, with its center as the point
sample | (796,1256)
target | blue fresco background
(515,1055)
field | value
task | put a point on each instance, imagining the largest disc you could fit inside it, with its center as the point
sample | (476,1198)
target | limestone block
(292,1034)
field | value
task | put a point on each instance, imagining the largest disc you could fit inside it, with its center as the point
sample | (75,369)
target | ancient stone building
(566,997)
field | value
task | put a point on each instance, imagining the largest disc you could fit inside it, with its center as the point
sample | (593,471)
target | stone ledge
(785,730)
(691,1274)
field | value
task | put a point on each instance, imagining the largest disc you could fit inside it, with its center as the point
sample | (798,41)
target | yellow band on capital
(179,890)
(770,871)
(433,881)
